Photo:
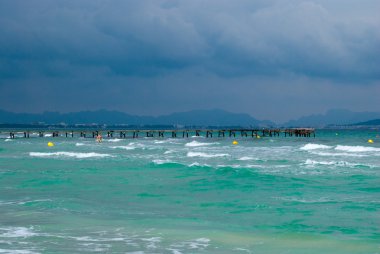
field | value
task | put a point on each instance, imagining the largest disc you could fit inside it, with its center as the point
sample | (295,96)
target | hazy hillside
(334,116)
(371,122)
(196,117)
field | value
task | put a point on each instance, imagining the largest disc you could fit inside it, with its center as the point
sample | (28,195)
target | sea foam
(160,162)
(206,155)
(197,164)
(310,162)
(123,147)
(333,154)
(196,143)
(113,140)
(358,149)
(312,146)
(70,154)
(13,232)
(246,158)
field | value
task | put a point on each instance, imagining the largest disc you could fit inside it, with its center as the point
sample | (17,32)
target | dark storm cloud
(159,49)
(148,37)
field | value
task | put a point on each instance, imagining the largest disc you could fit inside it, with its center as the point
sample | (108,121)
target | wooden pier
(174,133)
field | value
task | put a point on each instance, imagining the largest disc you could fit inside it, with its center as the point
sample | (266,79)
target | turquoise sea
(192,195)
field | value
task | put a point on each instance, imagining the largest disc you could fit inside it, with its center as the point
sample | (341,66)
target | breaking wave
(196,143)
(13,232)
(71,155)
(206,155)
(311,146)
(113,140)
(310,162)
(246,158)
(124,147)
(358,149)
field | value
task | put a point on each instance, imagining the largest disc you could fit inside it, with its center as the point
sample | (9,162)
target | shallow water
(195,195)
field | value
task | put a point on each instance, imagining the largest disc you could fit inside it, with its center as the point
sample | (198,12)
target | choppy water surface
(195,195)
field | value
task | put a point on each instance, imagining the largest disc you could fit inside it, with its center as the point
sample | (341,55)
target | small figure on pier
(99,138)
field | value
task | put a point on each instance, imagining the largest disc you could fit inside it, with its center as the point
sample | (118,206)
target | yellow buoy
(50,144)
(235,142)
(370,141)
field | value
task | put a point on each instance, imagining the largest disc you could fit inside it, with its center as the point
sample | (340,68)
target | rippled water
(195,195)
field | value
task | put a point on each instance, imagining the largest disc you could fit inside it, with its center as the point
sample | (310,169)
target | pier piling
(207,133)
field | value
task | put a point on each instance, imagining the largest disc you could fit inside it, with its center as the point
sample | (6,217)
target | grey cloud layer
(226,37)
(273,59)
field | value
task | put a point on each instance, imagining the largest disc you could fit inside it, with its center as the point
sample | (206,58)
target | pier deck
(172,133)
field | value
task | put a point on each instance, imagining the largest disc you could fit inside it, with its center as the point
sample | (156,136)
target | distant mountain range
(214,117)
(334,117)
(371,122)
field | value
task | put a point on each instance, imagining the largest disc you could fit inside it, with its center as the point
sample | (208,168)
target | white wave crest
(246,158)
(357,149)
(13,232)
(70,154)
(196,143)
(206,155)
(124,147)
(113,140)
(161,141)
(13,251)
(7,140)
(194,244)
(79,144)
(340,154)
(197,136)
(312,146)
(310,162)
(197,164)
(48,135)
(159,162)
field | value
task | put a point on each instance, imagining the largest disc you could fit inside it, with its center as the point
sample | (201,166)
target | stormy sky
(275,60)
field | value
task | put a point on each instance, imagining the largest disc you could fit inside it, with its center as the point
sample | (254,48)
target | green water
(195,195)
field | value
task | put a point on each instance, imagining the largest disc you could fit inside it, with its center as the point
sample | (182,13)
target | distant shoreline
(28,126)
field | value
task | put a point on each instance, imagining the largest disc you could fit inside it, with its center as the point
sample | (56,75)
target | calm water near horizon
(194,195)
